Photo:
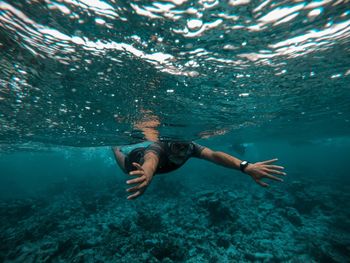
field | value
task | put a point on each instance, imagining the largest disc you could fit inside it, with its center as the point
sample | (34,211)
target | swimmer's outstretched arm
(257,170)
(119,157)
(144,175)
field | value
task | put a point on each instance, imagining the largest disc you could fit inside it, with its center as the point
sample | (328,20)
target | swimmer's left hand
(142,181)
(265,169)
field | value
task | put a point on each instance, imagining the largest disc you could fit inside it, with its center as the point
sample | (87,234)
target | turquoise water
(255,79)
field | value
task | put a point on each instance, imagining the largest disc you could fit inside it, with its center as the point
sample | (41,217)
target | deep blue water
(255,79)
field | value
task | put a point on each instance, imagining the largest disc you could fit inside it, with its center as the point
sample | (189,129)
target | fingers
(136,180)
(275,172)
(261,183)
(270,161)
(274,167)
(133,189)
(141,181)
(133,196)
(139,189)
(275,178)
(140,186)
(138,166)
(137,172)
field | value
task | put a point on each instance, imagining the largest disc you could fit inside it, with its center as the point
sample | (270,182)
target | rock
(266,206)
(232,254)
(218,208)
(170,248)
(206,193)
(149,221)
(293,216)
(192,252)
(258,256)
(224,240)
(149,243)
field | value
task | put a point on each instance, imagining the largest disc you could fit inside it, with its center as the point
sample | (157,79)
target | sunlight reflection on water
(84,72)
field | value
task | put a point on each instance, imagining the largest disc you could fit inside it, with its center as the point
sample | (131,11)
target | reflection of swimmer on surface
(144,160)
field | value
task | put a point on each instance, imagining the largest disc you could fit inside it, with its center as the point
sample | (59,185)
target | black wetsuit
(168,160)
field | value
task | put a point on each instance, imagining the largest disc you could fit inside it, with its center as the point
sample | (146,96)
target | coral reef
(299,222)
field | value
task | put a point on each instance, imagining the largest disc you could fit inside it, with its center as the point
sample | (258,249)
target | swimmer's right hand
(143,180)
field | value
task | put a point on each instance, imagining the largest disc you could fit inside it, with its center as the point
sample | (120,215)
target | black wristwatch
(243,165)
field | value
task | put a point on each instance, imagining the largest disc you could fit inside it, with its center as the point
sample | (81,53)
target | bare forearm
(150,163)
(226,160)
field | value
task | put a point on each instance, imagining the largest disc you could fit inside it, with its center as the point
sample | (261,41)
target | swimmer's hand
(143,180)
(264,169)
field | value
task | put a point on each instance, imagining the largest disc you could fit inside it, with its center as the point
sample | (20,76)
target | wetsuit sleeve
(156,148)
(197,149)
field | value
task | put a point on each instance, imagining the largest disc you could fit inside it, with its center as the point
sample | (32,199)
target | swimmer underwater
(145,161)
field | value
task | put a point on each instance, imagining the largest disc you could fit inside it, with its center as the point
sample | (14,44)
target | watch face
(244,162)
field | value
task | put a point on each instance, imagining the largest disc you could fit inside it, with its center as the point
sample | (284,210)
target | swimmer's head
(180,148)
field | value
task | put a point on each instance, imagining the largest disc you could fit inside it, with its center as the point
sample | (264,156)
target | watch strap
(243,165)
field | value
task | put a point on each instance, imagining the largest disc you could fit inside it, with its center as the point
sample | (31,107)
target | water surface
(84,73)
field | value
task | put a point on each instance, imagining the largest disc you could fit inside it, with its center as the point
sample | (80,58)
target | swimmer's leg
(119,157)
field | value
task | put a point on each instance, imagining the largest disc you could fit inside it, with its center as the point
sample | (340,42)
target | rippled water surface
(92,72)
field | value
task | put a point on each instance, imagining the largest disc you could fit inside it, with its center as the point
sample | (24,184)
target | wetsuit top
(171,157)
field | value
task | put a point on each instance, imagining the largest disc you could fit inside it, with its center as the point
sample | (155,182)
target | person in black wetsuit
(145,161)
